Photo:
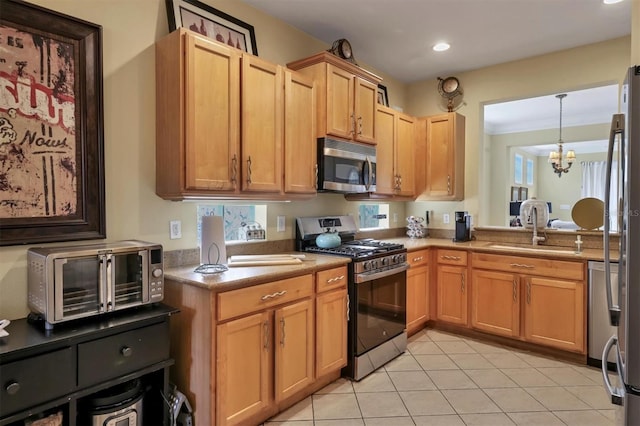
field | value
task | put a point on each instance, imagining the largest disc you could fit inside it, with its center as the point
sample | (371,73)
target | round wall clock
(449,89)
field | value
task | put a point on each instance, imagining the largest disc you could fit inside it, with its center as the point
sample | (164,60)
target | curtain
(594,185)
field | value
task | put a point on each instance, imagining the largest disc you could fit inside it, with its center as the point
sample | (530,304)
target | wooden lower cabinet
(554,313)
(417,290)
(495,303)
(263,359)
(331,331)
(452,294)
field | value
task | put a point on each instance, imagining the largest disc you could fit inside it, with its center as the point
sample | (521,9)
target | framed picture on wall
(515,193)
(212,23)
(383,98)
(524,193)
(51,127)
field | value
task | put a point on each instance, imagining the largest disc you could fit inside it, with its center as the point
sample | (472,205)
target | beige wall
(130,29)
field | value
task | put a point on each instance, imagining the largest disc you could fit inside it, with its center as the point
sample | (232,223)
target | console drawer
(553,268)
(418,258)
(35,380)
(452,257)
(331,278)
(123,353)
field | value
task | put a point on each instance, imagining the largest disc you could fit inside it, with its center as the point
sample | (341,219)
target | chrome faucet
(536,239)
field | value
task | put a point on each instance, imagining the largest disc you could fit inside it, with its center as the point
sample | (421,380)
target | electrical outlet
(445,218)
(280,227)
(175,229)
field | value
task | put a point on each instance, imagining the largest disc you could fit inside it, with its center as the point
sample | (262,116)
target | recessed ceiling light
(611,1)
(441,47)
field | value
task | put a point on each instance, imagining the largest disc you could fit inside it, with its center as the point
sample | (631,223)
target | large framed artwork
(51,127)
(211,23)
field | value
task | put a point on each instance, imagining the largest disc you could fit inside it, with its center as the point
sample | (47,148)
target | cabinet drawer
(331,278)
(243,301)
(452,257)
(35,380)
(418,258)
(123,353)
(530,265)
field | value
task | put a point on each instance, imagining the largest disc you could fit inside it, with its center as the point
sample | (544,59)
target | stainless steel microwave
(346,167)
(71,282)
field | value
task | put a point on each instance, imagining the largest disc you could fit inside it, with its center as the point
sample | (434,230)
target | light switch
(280,227)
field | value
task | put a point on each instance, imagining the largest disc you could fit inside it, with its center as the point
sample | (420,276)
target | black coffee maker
(463,226)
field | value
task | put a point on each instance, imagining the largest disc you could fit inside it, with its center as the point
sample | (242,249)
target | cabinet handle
(332,280)
(418,259)
(451,257)
(359,125)
(272,295)
(234,169)
(13,387)
(528,292)
(462,282)
(126,351)
(265,327)
(514,290)
(348,310)
(353,124)
(315,182)
(521,265)
(249,171)
(282,325)
(448,184)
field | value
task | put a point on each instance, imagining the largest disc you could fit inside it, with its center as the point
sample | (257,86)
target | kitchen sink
(537,249)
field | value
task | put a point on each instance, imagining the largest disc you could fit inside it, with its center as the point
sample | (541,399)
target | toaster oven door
(127,277)
(79,287)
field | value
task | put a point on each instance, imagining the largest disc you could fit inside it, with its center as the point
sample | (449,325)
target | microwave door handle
(368,178)
(617,127)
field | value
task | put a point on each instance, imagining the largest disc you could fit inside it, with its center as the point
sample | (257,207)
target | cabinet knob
(126,351)
(13,387)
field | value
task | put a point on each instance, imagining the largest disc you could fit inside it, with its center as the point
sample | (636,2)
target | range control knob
(385,261)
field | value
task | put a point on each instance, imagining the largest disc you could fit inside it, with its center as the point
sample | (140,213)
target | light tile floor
(449,380)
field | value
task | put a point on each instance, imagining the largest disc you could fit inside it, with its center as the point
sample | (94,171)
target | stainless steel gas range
(376,289)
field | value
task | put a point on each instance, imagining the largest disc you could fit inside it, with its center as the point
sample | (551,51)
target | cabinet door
(405,155)
(417,298)
(452,294)
(385,133)
(293,344)
(331,331)
(300,174)
(495,303)
(244,369)
(554,313)
(212,107)
(366,99)
(444,179)
(262,125)
(340,92)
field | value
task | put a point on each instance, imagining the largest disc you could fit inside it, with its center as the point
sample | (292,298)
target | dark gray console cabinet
(45,371)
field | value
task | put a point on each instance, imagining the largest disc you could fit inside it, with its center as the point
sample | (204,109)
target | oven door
(78,287)
(128,278)
(381,307)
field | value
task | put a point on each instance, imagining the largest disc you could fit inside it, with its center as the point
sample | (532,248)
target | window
(517,169)
(529,171)
(237,218)
(373,216)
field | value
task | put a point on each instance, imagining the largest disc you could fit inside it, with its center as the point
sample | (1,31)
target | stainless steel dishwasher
(599,327)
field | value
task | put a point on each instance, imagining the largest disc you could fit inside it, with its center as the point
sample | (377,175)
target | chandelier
(555,157)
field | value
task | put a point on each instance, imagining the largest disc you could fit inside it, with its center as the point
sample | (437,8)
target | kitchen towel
(212,248)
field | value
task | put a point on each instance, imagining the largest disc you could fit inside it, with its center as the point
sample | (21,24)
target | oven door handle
(370,276)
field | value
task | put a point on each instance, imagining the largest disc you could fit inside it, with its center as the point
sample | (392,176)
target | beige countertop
(564,253)
(245,276)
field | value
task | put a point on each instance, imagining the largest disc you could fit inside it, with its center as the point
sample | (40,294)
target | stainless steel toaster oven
(71,282)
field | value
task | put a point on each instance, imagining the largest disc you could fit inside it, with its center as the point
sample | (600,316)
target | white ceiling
(396,36)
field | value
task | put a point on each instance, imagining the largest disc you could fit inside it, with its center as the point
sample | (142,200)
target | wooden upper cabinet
(197,116)
(262,125)
(346,99)
(444,174)
(395,153)
(300,162)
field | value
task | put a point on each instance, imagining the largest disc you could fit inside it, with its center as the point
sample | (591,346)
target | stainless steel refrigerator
(624,143)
